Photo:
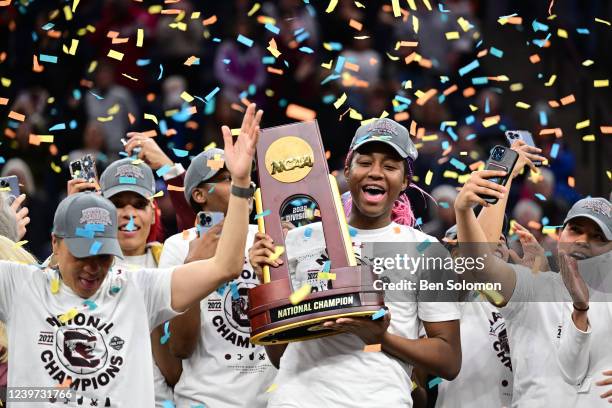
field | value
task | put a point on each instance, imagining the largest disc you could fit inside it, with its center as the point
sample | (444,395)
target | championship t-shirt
(104,347)
(485,379)
(334,371)
(163,392)
(226,370)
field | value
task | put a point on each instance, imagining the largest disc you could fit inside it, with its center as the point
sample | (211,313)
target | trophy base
(307,329)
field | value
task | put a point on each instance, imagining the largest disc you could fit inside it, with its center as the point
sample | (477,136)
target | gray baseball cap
(386,131)
(88,224)
(597,209)
(199,170)
(123,175)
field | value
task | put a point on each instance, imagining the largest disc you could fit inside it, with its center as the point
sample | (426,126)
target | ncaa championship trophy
(292,168)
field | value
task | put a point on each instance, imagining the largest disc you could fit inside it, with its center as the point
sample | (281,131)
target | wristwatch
(243,192)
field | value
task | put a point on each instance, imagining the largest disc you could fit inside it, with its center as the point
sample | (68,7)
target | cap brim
(81,247)
(127,187)
(603,227)
(399,150)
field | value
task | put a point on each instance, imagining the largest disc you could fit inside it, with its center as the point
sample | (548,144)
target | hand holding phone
(10,185)
(84,168)
(501,159)
(207,219)
(524,135)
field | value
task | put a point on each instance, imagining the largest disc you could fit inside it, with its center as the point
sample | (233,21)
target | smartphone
(12,183)
(207,219)
(524,135)
(135,151)
(84,168)
(503,159)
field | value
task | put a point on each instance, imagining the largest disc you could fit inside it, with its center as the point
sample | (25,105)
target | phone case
(525,136)
(507,163)
(12,182)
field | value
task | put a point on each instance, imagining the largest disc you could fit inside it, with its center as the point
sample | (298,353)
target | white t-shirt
(163,392)
(225,370)
(105,348)
(335,371)
(485,379)
(534,331)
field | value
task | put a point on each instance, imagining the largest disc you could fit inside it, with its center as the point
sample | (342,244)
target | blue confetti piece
(540,197)
(441,8)
(335,46)
(2,160)
(470,119)
(161,72)
(164,339)
(163,170)
(272,28)
(548,253)
(423,246)
(445,145)
(48,26)
(352,231)
(95,248)
(302,37)
(480,80)
(252,89)
(330,78)
(244,40)
(402,99)
(496,52)
(48,58)
(216,39)
(434,382)
(168,404)
(458,164)
(130,225)
(59,126)
(307,232)
(143,62)
(487,105)
(227,61)
(268,60)
(419,221)
(327,99)
(543,118)
(90,304)
(95,227)
(444,204)
(127,180)
(212,189)
(84,233)
(554,150)
(452,134)
(180,152)
(326,266)
(234,290)
(263,214)
(306,50)
(545,221)
(471,136)
(584,31)
(537,26)
(380,313)
(221,289)
(115,289)
(98,97)
(469,67)
(212,94)
(340,64)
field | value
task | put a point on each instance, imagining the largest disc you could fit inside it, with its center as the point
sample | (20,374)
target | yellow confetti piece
(300,294)
(450,174)
(516,87)
(326,276)
(67,13)
(5,82)
(412,5)
(56,168)
(209,146)
(272,388)
(413,386)
(523,105)
(599,20)
(583,124)
(415,24)
(464,24)
(75,4)
(254,9)
(104,119)
(273,48)
(20,243)
(494,295)
(332,5)
(157,195)
(452,35)
(115,55)
(186,97)
(69,315)
(601,83)
(55,286)
(152,117)
(278,251)
(551,81)
(428,177)
(140,37)
(427,4)
(396,8)
(588,138)
(353,114)
(430,138)
(490,121)
(464,178)
(392,57)
(587,63)
(562,33)
(340,101)
(609,173)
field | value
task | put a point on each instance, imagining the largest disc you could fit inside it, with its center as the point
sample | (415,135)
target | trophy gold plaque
(291,163)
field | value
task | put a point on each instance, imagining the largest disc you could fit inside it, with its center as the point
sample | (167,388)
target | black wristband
(243,192)
(580,310)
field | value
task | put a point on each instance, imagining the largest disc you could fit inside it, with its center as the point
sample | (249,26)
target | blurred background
(88,72)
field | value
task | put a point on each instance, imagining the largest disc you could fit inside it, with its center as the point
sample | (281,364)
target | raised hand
(239,154)
(150,152)
(534,256)
(573,281)
(527,155)
(21,216)
(477,185)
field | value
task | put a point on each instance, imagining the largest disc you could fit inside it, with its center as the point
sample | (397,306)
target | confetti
(234,291)
(469,67)
(244,40)
(168,404)
(434,382)
(278,251)
(166,336)
(69,315)
(372,348)
(601,83)
(272,388)
(568,99)
(301,113)
(332,5)
(216,164)
(115,55)
(48,58)
(300,294)
(380,313)
(396,8)
(262,214)
(340,101)
(583,124)
(95,248)
(90,304)
(16,116)
(139,37)
(55,285)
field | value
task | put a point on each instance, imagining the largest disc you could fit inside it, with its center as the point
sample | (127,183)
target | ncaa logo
(80,350)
